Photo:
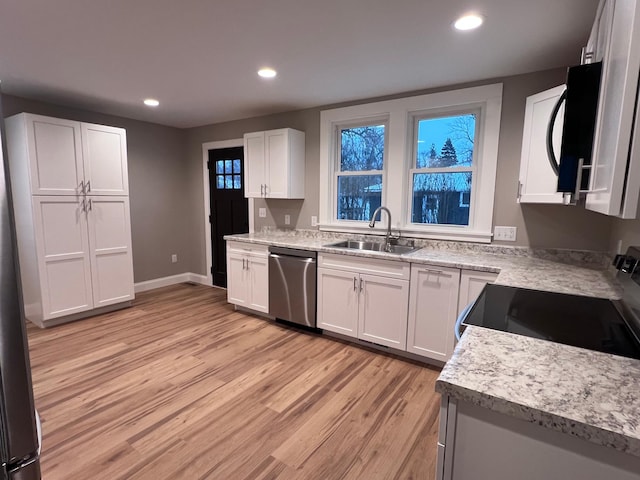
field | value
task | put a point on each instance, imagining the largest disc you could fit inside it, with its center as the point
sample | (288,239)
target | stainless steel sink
(374,247)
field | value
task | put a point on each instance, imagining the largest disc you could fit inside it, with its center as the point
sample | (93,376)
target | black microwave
(580,111)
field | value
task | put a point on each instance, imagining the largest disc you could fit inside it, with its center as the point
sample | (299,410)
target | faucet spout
(372,223)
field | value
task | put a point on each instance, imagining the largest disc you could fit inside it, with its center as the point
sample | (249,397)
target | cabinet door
(110,248)
(277,182)
(471,284)
(62,246)
(258,273)
(55,155)
(254,165)
(105,160)
(338,294)
(538,181)
(615,183)
(433,307)
(383,311)
(237,288)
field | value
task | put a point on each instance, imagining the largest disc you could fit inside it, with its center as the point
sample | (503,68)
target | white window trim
(401,113)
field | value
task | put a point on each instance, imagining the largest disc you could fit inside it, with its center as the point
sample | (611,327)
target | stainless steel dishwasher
(292,285)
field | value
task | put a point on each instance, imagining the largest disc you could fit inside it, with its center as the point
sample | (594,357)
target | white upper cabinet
(538,181)
(55,163)
(105,160)
(274,164)
(615,177)
(70,158)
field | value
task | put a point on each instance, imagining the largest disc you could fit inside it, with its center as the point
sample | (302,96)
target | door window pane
(358,196)
(228,181)
(237,166)
(441,198)
(445,141)
(228,166)
(220,182)
(220,166)
(237,182)
(362,148)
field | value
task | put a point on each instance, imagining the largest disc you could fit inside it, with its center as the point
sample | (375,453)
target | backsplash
(571,257)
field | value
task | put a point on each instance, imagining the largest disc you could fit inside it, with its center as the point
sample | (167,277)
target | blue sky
(437,130)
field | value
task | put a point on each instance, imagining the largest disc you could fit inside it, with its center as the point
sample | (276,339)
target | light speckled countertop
(587,394)
(514,268)
(591,395)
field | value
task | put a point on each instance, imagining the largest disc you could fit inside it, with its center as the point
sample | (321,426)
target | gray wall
(549,226)
(157,183)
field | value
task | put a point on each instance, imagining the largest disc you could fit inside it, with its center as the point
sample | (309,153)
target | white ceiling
(199,57)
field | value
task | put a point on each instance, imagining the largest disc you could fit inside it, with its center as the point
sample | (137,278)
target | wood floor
(181,386)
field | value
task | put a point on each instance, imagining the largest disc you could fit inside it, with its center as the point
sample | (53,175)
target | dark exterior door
(229,207)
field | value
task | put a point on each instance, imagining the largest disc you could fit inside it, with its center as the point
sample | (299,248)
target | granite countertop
(591,395)
(586,394)
(514,268)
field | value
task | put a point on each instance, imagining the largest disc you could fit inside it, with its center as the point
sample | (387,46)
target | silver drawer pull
(428,270)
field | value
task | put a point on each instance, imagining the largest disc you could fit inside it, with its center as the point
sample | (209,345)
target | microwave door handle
(552,121)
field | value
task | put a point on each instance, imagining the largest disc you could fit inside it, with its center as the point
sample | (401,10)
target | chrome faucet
(372,223)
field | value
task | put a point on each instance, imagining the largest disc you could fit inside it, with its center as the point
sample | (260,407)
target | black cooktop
(586,322)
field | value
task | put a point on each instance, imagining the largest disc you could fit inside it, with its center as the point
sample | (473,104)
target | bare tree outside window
(442,181)
(360,174)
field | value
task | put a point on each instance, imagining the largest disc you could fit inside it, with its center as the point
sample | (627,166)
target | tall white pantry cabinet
(71,203)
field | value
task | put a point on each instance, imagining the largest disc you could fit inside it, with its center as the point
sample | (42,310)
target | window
(441,178)
(431,159)
(229,174)
(359,176)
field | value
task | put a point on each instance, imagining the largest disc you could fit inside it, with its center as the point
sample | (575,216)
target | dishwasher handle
(298,259)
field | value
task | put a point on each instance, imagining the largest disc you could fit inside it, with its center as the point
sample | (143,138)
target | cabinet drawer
(248,248)
(373,266)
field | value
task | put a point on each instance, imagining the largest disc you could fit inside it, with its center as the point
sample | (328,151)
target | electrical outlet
(287,219)
(174,258)
(505,234)
(262,212)
(314,221)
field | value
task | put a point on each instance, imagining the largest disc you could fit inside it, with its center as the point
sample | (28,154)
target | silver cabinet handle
(355,280)
(88,185)
(243,264)
(262,190)
(81,187)
(265,189)
(361,284)
(428,270)
(90,204)
(83,206)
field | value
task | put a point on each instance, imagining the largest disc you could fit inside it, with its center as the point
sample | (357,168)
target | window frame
(474,168)
(336,172)
(400,115)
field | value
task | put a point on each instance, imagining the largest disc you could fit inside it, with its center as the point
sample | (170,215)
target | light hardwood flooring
(181,386)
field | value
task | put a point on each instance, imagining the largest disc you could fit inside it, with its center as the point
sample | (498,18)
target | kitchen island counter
(586,394)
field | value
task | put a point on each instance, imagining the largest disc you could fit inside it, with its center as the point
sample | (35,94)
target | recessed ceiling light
(468,22)
(151,102)
(267,72)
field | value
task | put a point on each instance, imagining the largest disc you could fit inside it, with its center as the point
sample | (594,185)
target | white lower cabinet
(471,284)
(478,443)
(83,257)
(433,309)
(364,298)
(248,276)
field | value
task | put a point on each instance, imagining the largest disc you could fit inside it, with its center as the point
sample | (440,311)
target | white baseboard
(171,280)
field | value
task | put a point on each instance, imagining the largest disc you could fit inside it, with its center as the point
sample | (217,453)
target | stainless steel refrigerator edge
(19,438)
